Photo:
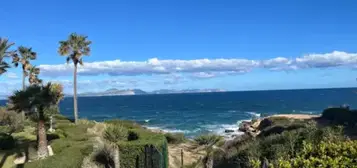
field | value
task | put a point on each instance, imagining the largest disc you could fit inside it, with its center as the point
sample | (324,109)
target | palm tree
(26,55)
(4,52)
(35,99)
(33,75)
(74,48)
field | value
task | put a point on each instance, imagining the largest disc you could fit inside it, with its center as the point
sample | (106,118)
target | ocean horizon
(202,113)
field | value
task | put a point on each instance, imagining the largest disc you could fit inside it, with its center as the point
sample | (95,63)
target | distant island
(117,92)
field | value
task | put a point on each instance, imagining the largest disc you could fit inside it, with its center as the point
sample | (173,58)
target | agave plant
(35,99)
(112,135)
(74,48)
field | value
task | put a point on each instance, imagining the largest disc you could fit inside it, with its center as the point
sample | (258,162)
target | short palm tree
(74,48)
(35,99)
(26,54)
(5,46)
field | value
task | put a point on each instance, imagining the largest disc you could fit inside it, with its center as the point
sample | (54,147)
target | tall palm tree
(4,52)
(35,99)
(26,54)
(74,48)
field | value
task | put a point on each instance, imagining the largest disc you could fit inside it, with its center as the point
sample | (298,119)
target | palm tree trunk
(42,150)
(23,80)
(23,88)
(75,94)
(116,157)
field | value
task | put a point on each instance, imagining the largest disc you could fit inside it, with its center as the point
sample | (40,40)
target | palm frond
(75,47)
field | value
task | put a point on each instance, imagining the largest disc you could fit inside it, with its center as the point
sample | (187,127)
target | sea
(205,113)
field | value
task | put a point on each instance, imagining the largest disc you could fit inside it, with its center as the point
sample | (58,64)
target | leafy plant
(207,139)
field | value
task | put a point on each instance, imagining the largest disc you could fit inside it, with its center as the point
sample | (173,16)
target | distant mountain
(170,91)
(114,92)
(117,92)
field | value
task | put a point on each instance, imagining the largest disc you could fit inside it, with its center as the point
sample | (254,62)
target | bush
(325,154)
(133,152)
(274,147)
(115,133)
(208,139)
(10,121)
(6,141)
(340,116)
(175,138)
(125,123)
(132,135)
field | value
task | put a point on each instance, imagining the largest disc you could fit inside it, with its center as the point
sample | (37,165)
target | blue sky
(231,45)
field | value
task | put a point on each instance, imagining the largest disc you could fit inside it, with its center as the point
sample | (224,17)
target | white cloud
(202,67)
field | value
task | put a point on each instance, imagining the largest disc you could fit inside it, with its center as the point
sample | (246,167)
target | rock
(21,159)
(228,130)
(50,151)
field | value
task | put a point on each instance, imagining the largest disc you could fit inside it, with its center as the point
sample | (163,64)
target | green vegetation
(208,139)
(292,143)
(175,138)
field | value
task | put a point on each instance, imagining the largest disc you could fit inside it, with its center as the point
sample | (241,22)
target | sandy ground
(191,154)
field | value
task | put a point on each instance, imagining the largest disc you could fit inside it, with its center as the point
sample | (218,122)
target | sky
(168,44)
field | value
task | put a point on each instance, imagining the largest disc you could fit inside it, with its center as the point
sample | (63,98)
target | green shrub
(175,138)
(115,133)
(132,135)
(133,152)
(125,123)
(208,139)
(10,121)
(325,154)
(340,116)
(6,141)
(274,147)
(71,157)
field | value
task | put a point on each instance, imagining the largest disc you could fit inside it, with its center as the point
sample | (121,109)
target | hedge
(132,153)
(71,157)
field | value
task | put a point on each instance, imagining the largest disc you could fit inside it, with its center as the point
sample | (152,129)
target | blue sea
(199,113)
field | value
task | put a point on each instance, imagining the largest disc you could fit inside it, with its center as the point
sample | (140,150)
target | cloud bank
(202,68)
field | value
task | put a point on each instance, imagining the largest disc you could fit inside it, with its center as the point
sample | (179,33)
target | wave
(254,114)
(169,130)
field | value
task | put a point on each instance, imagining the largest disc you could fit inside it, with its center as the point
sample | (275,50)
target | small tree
(35,99)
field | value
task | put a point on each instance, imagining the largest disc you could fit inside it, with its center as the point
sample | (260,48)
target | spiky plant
(113,134)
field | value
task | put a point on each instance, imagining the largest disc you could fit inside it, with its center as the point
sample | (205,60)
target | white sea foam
(254,114)
(171,130)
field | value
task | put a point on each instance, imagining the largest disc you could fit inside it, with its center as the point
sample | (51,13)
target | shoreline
(231,133)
